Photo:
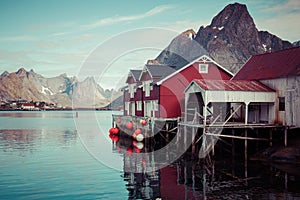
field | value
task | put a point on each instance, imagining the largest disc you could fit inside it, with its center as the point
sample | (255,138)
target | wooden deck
(229,125)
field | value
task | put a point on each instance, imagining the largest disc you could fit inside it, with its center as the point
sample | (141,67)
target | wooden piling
(270,137)
(246,156)
(193,141)
(285,136)
(232,144)
(246,145)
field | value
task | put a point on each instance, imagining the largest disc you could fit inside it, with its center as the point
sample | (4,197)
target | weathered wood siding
(289,88)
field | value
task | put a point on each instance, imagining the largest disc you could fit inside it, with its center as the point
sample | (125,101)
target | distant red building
(159,90)
(27,106)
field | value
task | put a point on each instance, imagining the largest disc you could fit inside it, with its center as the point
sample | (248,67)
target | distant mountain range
(61,90)
(230,39)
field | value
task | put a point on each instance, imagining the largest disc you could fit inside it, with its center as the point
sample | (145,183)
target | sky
(54,37)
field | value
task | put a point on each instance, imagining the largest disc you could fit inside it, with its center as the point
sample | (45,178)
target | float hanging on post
(129,125)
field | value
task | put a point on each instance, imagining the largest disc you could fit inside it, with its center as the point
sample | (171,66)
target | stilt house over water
(280,71)
(159,90)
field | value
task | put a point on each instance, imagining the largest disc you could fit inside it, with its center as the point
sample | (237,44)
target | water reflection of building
(189,178)
(140,172)
(145,180)
(142,184)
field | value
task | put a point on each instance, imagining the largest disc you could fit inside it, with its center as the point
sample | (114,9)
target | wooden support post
(285,180)
(185,137)
(193,141)
(246,145)
(232,145)
(204,126)
(285,136)
(246,156)
(246,112)
(203,143)
(256,142)
(167,132)
(213,146)
(271,137)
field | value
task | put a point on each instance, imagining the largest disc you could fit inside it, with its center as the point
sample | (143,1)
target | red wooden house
(133,94)
(161,92)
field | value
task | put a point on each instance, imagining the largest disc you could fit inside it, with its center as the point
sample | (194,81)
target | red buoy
(129,125)
(115,138)
(138,131)
(111,130)
(143,122)
(115,131)
(119,120)
(137,150)
(129,150)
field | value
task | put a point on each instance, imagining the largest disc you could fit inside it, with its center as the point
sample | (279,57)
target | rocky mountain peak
(5,73)
(189,33)
(296,44)
(21,72)
(60,90)
(233,15)
(63,75)
(231,39)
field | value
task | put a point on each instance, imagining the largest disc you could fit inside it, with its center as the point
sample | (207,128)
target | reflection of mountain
(27,140)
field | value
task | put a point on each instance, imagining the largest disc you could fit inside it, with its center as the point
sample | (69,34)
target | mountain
(230,39)
(61,90)
(182,50)
(297,43)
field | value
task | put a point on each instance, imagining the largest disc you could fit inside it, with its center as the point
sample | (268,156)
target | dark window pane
(281,104)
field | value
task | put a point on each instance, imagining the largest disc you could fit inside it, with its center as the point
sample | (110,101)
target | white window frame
(132,108)
(205,70)
(131,90)
(155,105)
(139,105)
(127,104)
(147,88)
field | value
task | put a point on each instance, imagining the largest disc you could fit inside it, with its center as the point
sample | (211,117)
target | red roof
(271,65)
(232,85)
(27,104)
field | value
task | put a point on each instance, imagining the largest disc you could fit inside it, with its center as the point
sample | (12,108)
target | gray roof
(136,74)
(160,71)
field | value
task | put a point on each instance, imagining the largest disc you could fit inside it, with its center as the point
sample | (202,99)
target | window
(146,88)
(281,103)
(139,105)
(127,106)
(131,90)
(155,105)
(203,68)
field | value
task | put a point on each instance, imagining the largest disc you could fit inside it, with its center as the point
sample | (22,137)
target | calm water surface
(43,157)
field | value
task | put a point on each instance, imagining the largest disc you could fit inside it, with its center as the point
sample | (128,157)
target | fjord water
(42,156)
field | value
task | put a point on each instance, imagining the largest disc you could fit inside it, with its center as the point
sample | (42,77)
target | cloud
(118,19)
(17,38)
(281,19)
(287,6)
(184,25)
(61,33)
(284,26)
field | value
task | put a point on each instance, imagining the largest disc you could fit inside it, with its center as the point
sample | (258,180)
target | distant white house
(27,106)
